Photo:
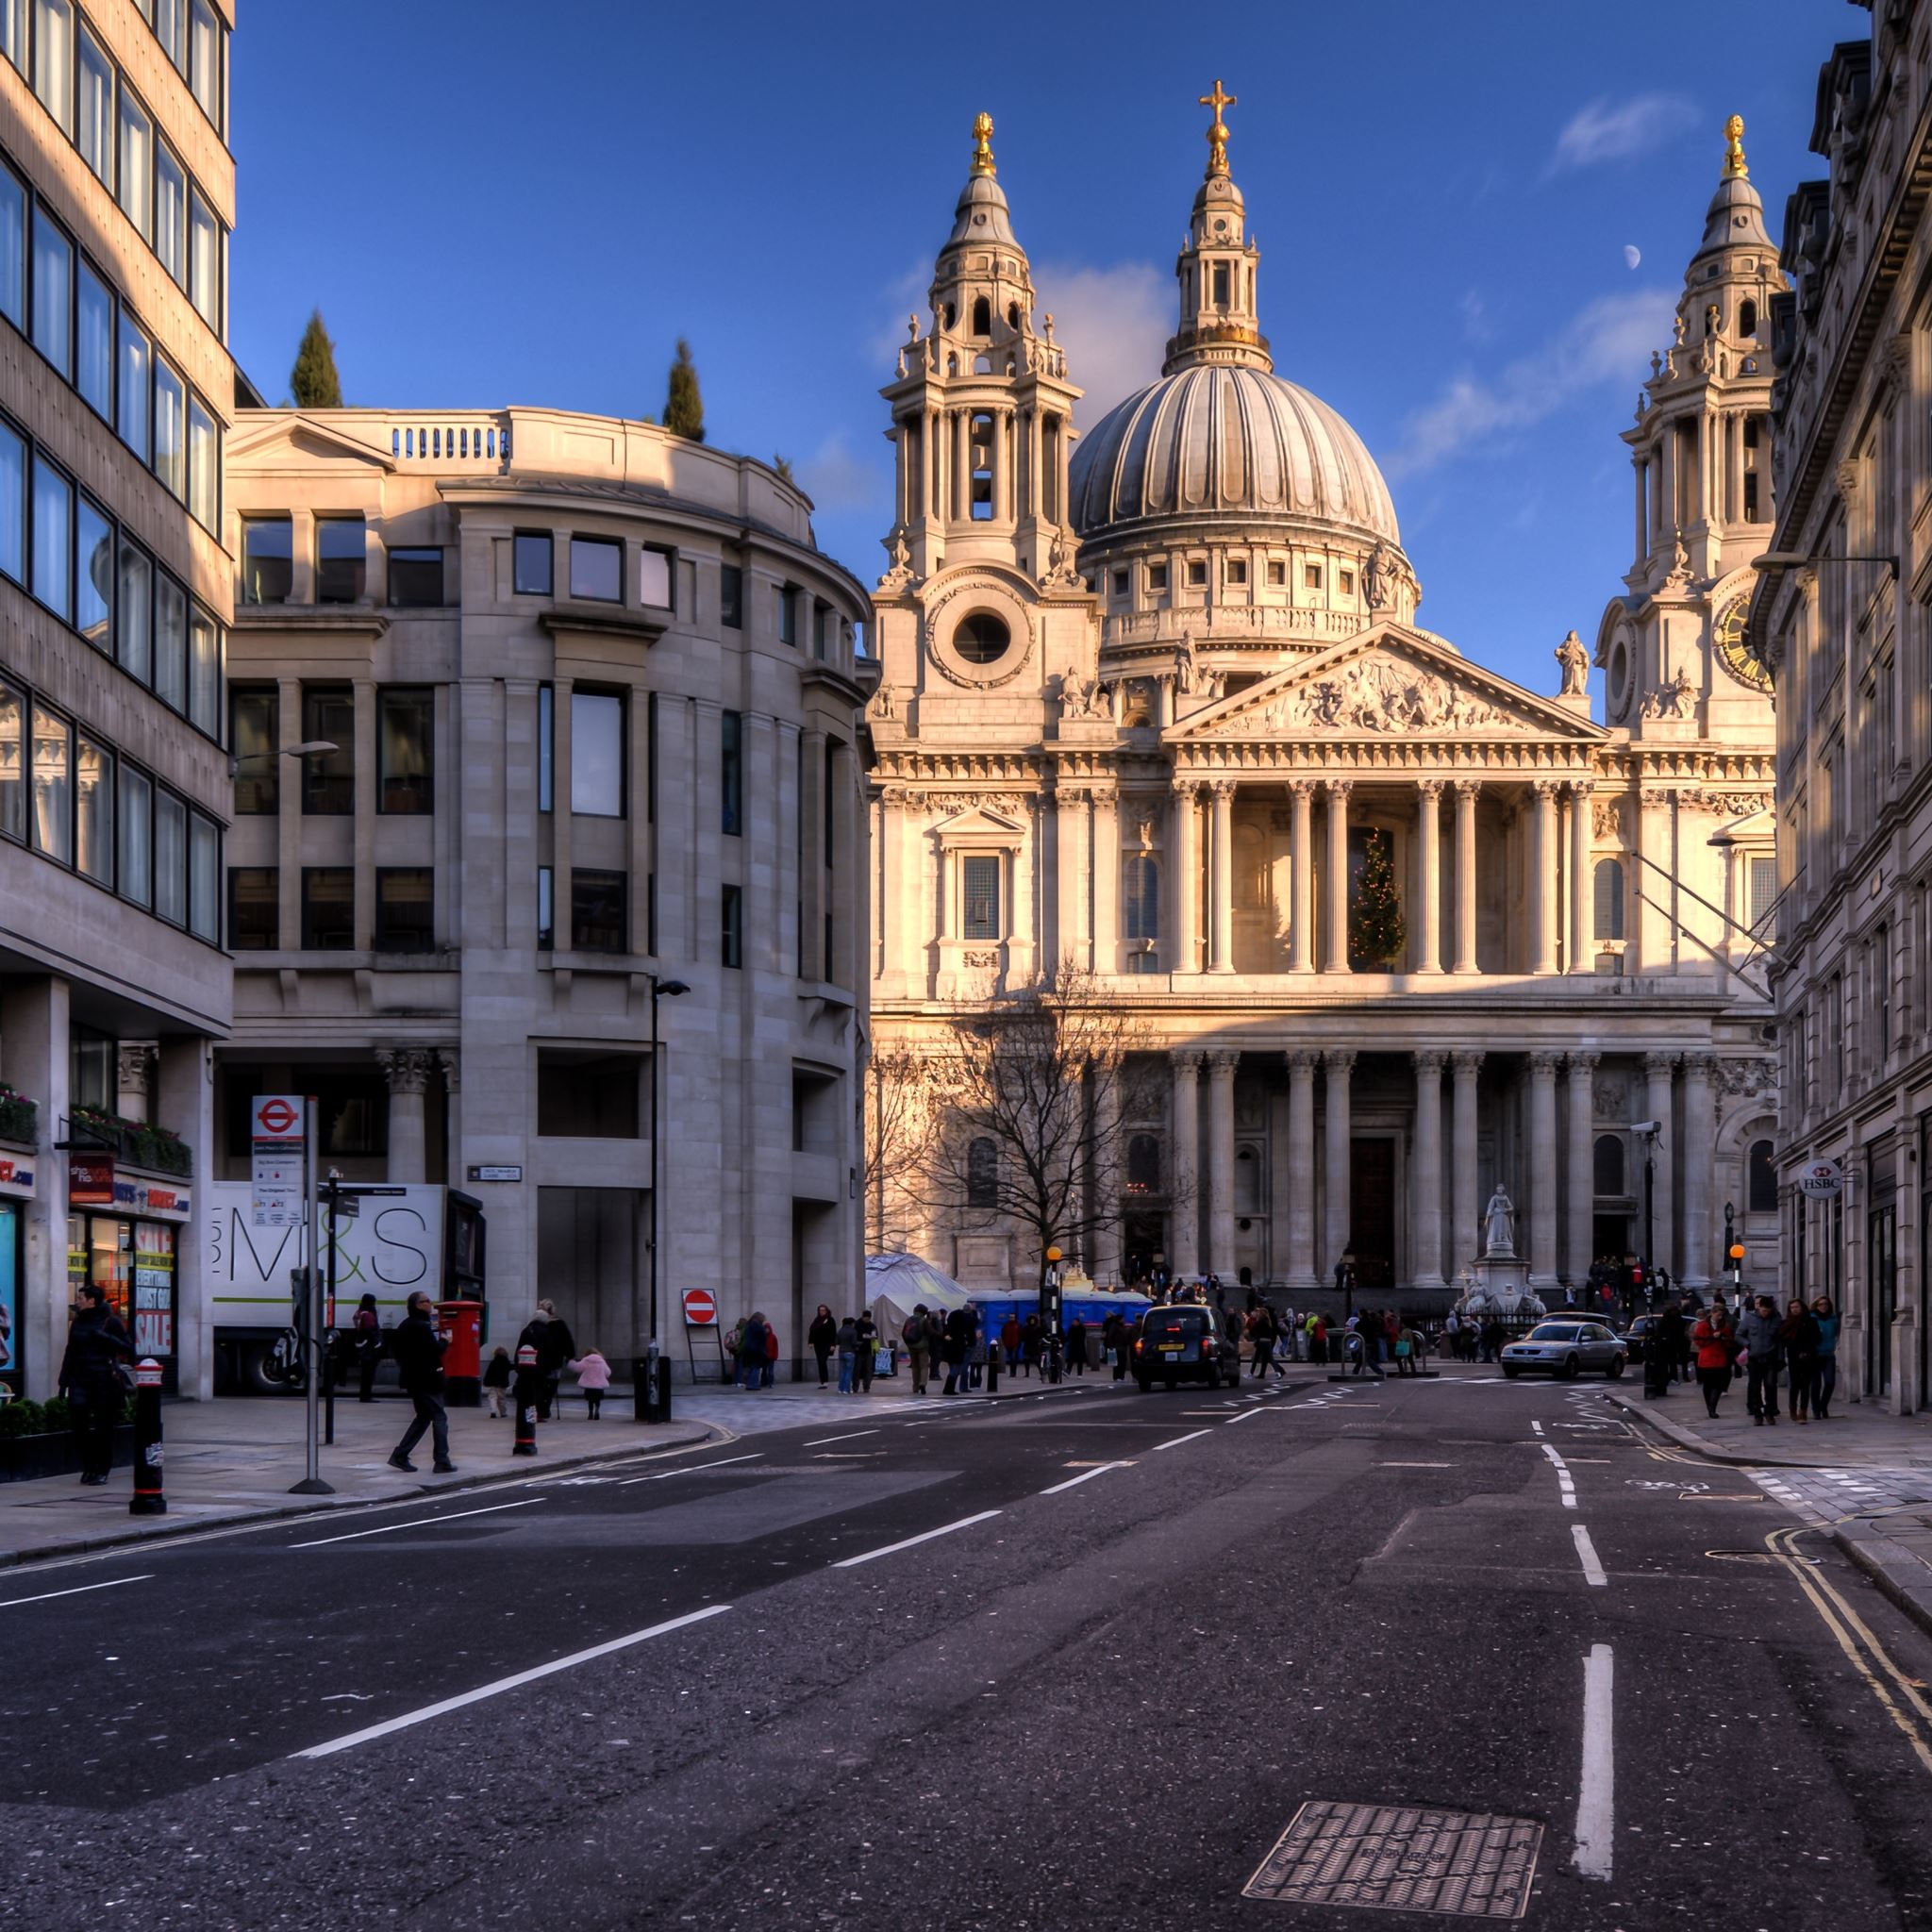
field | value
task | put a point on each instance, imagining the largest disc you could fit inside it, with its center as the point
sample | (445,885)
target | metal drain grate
(1401,1860)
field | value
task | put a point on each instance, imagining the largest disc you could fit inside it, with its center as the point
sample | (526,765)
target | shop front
(124,1236)
(16,1191)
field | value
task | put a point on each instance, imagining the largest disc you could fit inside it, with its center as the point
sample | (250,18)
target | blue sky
(497,203)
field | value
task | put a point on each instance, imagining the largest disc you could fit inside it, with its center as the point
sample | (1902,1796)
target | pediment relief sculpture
(1380,692)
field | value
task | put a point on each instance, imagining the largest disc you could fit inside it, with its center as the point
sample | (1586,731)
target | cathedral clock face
(1732,654)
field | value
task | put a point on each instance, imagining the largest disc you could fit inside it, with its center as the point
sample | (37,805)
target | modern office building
(597,726)
(117,194)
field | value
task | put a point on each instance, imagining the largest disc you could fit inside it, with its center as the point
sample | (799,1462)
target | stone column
(1581,1087)
(184,1100)
(450,1060)
(1221,1069)
(1070,865)
(1652,880)
(1221,872)
(1582,898)
(406,1069)
(1106,1180)
(1656,1075)
(1429,832)
(1337,956)
(1467,791)
(1187,878)
(1425,1195)
(1700,1138)
(1301,1062)
(134,1073)
(1465,1187)
(1107,880)
(1543,1173)
(1300,915)
(1543,886)
(1184,1217)
(962,466)
(1339,1063)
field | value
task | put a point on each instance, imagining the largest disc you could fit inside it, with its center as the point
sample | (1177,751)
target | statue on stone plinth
(1499,1224)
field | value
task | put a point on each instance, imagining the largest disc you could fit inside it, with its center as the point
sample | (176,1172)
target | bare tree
(896,1098)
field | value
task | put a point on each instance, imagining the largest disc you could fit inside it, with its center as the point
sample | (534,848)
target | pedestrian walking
(1797,1337)
(496,1382)
(865,1359)
(1758,1331)
(751,1353)
(823,1337)
(1672,1338)
(1077,1346)
(1261,1334)
(418,1345)
(593,1377)
(1009,1343)
(92,1381)
(1318,1340)
(1714,1342)
(1822,1390)
(771,1355)
(956,1345)
(368,1336)
(548,1333)
(1032,1344)
(918,1347)
(848,1354)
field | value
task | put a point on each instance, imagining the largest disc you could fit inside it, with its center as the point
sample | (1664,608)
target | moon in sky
(1632,255)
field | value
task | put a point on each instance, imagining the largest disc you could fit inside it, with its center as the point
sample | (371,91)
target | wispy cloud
(1609,341)
(1114,323)
(837,478)
(1609,130)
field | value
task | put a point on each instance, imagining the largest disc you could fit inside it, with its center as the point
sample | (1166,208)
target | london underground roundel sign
(276,1118)
(700,1309)
(1820,1180)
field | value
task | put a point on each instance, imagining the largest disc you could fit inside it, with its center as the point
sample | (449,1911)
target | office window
(787,615)
(12,763)
(254,909)
(546,748)
(134,613)
(596,755)
(1157,577)
(204,260)
(597,569)
(731,597)
(53,538)
(136,193)
(137,837)
(254,731)
(53,58)
(329,909)
(205,58)
(93,581)
(341,560)
(268,554)
(204,672)
(12,505)
(53,294)
(93,349)
(731,772)
(171,643)
(654,579)
(546,906)
(534,563)
(171,859)
(329,778)
(415,579)
(405,747)
(204,466)
(979,880)
(170,213)
(93,124)
(403,906)
(204,878)
(1881,997)
(169,20)
(53,783)
(1608,883)
(587,1095)
(170,431)
(596,912)
(12,244)
(136,372)
(731,923)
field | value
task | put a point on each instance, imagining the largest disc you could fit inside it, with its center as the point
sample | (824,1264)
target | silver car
(1566,1349)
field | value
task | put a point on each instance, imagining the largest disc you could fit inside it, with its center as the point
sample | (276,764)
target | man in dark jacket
(548,1333)
(958,1344)
(418,1345)
(97,1339)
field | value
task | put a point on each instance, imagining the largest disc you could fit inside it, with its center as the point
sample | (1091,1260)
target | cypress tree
(313,382)
(783,466)
(684,409)
(1375,932)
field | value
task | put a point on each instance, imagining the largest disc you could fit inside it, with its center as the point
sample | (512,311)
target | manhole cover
(1401,1860)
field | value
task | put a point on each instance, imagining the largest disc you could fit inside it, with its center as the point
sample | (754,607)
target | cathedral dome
(1213,442)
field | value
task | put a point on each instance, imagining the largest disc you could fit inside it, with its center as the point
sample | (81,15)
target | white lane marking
(78,1589)
(414,1523)
(1084,1476)
(1538,1427)
(1247,1415)
(852,1438)
(512,1683)
(893,1549)
(1193,1436)
(1415,1465)
(1586,1551)
(692,1468)
(1565,1481)
(1596,1801)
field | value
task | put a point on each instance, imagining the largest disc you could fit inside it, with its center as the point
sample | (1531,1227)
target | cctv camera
(1646,1127)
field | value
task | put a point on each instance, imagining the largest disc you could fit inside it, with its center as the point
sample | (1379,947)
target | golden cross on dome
(982,144)
(1734,149)
(1217,134)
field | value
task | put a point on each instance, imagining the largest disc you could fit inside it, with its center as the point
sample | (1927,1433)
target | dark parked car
(1184,1343)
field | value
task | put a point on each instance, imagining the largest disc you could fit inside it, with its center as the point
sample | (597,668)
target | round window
(982,639)
(1620,674)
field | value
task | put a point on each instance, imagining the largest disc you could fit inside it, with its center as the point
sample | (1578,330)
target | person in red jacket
(1715,1344)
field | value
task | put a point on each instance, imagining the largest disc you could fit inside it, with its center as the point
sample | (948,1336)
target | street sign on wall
(700,1309)
(1820,1180)
(275,1147)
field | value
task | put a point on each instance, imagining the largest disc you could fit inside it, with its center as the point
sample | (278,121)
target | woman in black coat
(96,1341)
(823,1337)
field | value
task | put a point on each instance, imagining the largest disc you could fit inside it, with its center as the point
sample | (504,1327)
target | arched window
(982,1175)
(1140,896)
(1610,1165)
(1747,318)
(981,445)
(982,316)
(1608,880)
(1760,1180)
(1143,1165)
(1012,316)
(982,365)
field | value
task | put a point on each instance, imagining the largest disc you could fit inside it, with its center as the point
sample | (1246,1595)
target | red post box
(463,1360)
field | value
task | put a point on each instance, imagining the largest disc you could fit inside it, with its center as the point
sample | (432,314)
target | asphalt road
(1076,1660)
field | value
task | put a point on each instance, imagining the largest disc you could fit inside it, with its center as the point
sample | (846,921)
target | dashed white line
(1247,1415)
(414,1523)
(78,1589)
(1565,1481)
(1586,1552)
(1538,1427)
(1596,1801)
(1194,1436)
(852,1438)
(1085,1476)
(926,1536)
(692,1468)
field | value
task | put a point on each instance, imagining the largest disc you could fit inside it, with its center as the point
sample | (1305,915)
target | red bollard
(527,1386)
(147,1499)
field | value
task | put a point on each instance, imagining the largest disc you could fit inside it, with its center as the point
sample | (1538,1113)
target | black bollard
(147,1499)
(528,1383)
(992,1370)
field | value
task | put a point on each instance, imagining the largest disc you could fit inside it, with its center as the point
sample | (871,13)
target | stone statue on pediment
(1679,695)
(1187,670)
(1575,662)
(1378,579)
(1499,1224)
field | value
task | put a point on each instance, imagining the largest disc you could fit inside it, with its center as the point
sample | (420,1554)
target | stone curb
(1690,1438)
(1900,1576)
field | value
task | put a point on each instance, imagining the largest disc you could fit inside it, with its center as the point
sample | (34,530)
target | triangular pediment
(1386,682)
(981,820)
(292,438)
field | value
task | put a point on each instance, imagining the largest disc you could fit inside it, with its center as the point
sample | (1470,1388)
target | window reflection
(596,753)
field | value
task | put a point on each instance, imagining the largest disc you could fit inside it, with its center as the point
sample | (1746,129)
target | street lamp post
(649,1395)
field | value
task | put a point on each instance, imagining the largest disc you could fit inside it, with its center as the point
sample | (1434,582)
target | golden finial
(982,144)
(1217,134)
(1735,169)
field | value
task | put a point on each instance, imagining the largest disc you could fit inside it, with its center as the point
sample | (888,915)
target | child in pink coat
(593,1377)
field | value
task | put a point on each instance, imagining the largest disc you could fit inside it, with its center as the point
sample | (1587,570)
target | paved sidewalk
(234,1460)
(1864,1477)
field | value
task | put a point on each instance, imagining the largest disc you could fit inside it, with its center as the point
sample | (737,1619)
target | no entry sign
(700,1309)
